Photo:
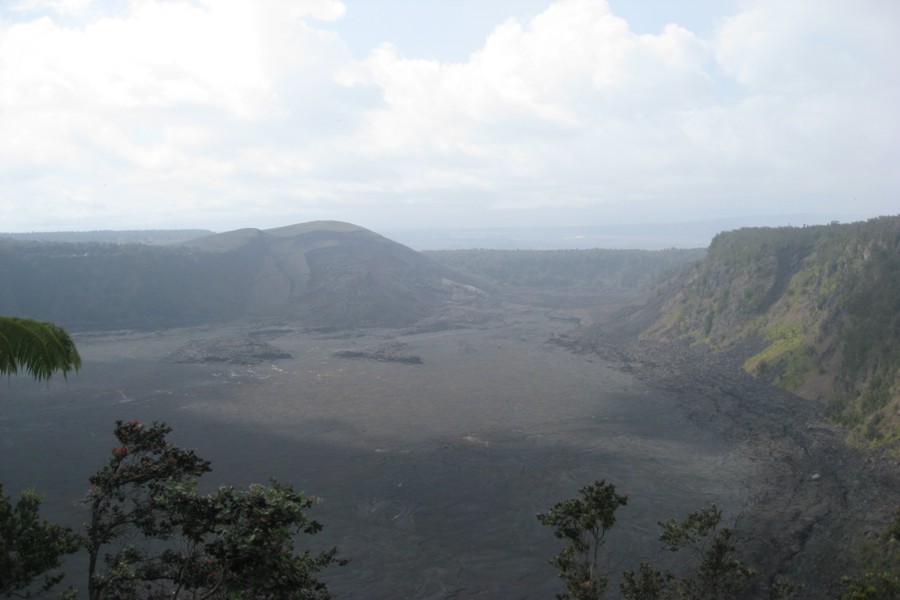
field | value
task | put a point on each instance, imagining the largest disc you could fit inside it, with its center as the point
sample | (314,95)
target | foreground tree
(152,535)
(582,523)
(718,575)
(30,547)
(39,348)
(879,559)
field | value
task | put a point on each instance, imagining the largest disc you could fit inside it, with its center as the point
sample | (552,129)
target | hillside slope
(814,310)
(329,273)
(323,274)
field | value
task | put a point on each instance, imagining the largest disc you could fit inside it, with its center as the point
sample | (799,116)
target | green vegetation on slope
(819,305)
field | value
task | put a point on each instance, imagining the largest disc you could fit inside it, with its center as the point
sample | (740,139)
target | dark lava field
(431,449)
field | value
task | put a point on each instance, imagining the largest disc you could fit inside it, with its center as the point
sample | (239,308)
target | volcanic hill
(322,274)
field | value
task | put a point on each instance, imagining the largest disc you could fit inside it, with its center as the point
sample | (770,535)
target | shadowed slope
(334,274)
(324,273)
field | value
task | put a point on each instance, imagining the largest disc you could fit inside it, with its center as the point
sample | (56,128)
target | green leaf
(38,347)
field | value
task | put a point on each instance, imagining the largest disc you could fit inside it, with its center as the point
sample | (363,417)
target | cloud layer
(231,113)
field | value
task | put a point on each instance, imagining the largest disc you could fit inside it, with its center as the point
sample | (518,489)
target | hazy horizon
(625,236)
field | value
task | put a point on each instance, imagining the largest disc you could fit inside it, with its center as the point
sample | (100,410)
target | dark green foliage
(784,589)
(825,303)
(159,538)
(879,577)
(37,347)
(871,332)
(872,585)
(582,523)
(251,550)
(30,547)
(127,498)
(647,584)
(718,575)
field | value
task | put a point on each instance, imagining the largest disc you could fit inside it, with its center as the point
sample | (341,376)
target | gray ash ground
(430,474)
(816,498)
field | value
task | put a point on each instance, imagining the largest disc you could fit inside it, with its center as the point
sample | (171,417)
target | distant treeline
(632,269)
(137,236)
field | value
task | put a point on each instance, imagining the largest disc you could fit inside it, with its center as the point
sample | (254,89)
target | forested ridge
(817,309)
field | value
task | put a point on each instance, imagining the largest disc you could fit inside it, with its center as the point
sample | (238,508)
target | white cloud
(560,69)
(572,100)
(158,56)
(821,90)
(63,7)
(587,112)
(231,109)
(809,46)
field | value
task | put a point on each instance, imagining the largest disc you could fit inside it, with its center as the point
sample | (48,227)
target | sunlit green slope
(816,309)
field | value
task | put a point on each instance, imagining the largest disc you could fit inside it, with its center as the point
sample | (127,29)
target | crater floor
(430,474)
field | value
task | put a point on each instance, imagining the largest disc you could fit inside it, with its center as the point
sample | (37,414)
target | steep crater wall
(813,310)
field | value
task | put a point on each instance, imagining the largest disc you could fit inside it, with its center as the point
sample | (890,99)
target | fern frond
(37,347)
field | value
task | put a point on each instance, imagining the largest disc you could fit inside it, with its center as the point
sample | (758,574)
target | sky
(391,114)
